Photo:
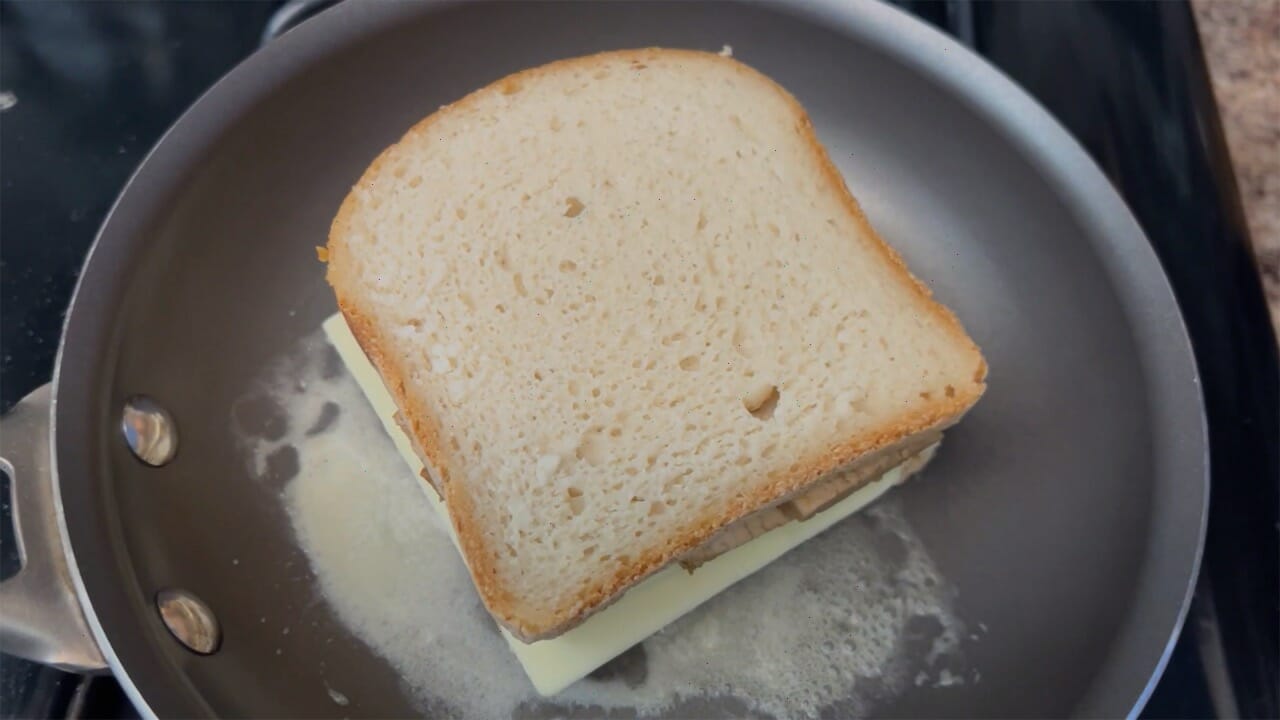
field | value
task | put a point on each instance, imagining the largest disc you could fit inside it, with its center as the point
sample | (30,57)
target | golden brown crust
(425,473)
(480,558)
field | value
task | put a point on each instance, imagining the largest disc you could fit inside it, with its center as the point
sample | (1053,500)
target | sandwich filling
(741,549)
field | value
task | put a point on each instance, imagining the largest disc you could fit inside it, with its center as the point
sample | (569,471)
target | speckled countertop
(1242,44)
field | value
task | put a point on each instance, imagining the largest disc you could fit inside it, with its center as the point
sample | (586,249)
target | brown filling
(816,498)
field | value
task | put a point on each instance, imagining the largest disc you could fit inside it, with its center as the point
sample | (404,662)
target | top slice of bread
(621,302)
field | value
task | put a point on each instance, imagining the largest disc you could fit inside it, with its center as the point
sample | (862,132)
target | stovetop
(87,88)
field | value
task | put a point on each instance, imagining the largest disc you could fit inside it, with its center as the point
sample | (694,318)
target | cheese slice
(554,664)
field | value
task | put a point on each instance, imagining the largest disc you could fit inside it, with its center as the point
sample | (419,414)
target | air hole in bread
(672,483)
(762,402)
(690,362)
(590,450)
(576,503)
(575,207)
(568,266)
(518,281)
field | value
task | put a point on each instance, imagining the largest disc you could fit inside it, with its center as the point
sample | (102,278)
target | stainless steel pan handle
(40,614)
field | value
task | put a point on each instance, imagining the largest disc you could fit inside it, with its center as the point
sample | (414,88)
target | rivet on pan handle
(40,614)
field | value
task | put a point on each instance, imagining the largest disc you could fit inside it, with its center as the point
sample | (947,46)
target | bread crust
(529,626)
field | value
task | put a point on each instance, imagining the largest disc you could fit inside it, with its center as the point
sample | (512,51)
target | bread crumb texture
(622,301)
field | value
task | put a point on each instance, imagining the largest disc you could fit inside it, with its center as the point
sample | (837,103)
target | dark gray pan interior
(1067,509)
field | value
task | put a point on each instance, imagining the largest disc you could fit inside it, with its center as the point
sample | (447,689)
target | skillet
(1068,509)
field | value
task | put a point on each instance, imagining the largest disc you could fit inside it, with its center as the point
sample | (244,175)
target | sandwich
(630,318)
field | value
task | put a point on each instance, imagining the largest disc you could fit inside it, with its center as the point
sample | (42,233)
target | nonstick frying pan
(1067,510)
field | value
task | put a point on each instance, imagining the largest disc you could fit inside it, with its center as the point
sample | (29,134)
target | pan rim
(1134,272)
(1127,258)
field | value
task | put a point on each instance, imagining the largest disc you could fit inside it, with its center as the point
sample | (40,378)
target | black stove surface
(87,88)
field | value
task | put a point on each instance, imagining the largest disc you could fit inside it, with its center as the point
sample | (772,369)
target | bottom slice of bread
(555,663)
